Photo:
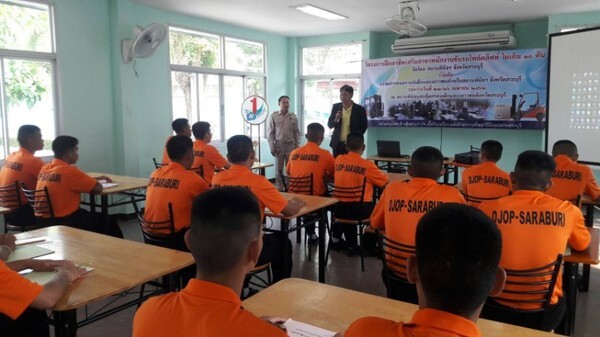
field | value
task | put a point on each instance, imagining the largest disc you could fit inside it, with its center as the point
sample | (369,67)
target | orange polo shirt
(403,203)
(209,158)
(308,159)
(21,166)
(535,229)
(173,183)
(16,292)
(65,184)
(165,158)
(571,179)
(201,309)
(350,171)
(241,176)
(486,180)
(424,323)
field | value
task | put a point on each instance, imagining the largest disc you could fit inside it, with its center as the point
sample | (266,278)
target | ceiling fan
(405,23)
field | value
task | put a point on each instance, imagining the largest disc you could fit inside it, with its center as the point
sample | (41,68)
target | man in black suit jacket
(355,114)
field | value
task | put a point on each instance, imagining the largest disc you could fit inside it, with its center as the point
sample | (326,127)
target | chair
(474,201)
(254,278)
(41,204)
(20,218)
(394,256)
(199,170)
(530,287)
(157,164)
(354,194)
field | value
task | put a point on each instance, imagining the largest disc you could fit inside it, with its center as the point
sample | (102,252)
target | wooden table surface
(449,161)
(4,210)
(118,264)
(334,308)
(124,183)
(588,255)
(260,165)
(397,176)
(313,203)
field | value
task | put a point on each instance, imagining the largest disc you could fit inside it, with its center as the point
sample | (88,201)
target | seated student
(65,183)
(22,302)
(181,126)
(403,203)
(308,159)
(570,178)
(225,240)
(241,154)
(206,155)
(455,269)
(486,180)
(539,231)
(176,184)
(23,166)
(350,171)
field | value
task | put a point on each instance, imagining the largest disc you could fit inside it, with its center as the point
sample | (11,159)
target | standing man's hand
(338,116)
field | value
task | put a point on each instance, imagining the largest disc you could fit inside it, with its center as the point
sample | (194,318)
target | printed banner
(499,89)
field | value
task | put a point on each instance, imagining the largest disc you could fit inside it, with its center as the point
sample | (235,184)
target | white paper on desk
(28,252)
(299,329)
(43,277)
(36,239)
(109,185)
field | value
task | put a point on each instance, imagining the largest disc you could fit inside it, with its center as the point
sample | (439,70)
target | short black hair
(239,148)
(492,150)
(426,162)
(225,220)
(282,97)
(25,132)
(565,147)
(355,141)
(533,170)
(347,89)
(200,129)
(63,144)
(314,132)
(178,146)
(458,249)
(179,124)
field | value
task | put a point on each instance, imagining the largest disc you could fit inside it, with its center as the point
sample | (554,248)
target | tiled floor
(345,272)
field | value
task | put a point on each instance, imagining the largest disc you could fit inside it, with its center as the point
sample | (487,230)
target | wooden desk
(334,308)
(313,204)
(397,177)
(449,165)
(4,210)
(571,263)
(260,167)
(119,265)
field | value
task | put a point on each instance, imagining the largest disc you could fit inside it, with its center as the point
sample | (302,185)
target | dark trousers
(31,323)
(545,321)
(271,252)
(399,289)
(353,211)
(340,149)
(22,216)
(86,220)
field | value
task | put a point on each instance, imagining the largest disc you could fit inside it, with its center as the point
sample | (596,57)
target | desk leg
(104,213)
(285,227)
(589,222)
(446,174)
(567,327)
(65,323)
(322,259)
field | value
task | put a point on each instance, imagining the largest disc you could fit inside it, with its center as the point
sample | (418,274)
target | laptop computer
(389,149)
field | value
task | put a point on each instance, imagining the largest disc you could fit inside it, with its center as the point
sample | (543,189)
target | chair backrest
(350,194)
(531,286)
(472,200)
(39,201)
(157,164)
(298,185)
(199,170)
(10,196)
(394,256)
(576,201)
(159,233)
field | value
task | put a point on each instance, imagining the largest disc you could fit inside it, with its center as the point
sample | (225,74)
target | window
(206,69)
(27,72)
(325,69)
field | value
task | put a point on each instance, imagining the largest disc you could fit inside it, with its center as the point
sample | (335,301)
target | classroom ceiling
(278,17)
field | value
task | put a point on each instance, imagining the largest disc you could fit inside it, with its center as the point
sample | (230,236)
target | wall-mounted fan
(144,43)
(406,23)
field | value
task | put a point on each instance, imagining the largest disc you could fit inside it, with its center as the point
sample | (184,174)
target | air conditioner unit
(502,39)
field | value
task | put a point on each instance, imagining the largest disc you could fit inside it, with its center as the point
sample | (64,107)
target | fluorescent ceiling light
(319,12)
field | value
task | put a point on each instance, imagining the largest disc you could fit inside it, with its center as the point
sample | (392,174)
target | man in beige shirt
(284,136)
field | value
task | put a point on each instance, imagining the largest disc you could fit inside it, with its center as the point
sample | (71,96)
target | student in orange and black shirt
(22,302)
(486,181)
(205,155)
(350,171)
(403,203)
(23,166)
(535,229)
(455,269)
(241,154)
(570,178)
(181,126)
(175,183)
(311,159)
(226,240)
(65,184)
